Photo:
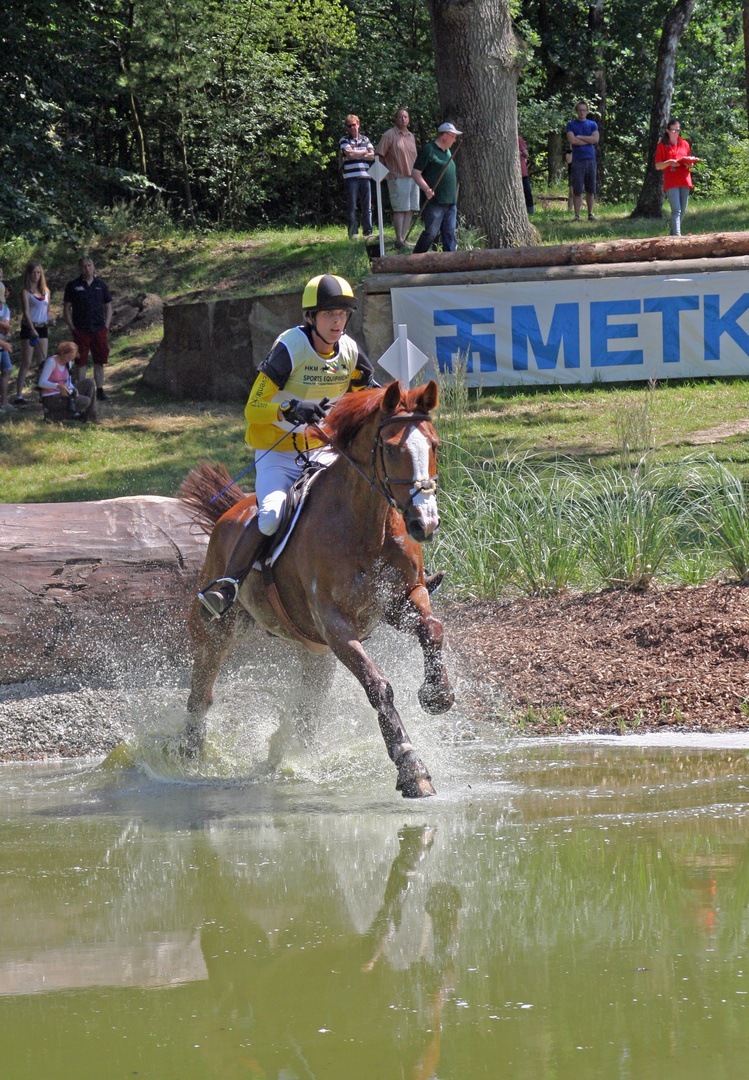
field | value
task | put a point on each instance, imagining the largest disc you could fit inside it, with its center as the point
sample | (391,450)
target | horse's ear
(391,398)
(428,396)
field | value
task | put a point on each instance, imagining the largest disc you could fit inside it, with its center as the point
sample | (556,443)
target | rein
(384,487)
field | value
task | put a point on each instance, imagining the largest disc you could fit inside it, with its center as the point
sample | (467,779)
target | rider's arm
(362,377)
(272,376)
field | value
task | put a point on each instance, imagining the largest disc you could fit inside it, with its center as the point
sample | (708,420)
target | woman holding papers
(673,158)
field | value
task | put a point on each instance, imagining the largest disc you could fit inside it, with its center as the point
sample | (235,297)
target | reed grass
(531,527)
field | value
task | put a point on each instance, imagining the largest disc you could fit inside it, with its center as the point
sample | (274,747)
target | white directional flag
(403,360)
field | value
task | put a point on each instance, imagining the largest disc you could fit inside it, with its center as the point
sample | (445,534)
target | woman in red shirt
(674,160)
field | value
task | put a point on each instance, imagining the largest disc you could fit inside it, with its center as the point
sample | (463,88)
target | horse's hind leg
(317,673)
(212,642)
(414,781)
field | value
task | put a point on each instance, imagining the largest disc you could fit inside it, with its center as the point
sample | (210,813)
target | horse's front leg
(414,781)
(413,614)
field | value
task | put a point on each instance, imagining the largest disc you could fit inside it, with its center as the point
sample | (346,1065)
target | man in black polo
(87,306)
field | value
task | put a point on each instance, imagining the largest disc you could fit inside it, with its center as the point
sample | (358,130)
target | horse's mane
(351,412)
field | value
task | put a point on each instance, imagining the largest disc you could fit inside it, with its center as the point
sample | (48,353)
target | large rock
(97,589)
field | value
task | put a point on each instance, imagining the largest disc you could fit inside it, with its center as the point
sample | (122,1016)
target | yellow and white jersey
(293,369)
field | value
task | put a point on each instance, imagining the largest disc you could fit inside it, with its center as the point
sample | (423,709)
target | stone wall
(211,351)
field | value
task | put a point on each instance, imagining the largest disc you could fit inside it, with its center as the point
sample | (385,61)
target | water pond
(565,909)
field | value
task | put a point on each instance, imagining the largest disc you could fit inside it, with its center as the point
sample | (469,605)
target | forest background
(228,114)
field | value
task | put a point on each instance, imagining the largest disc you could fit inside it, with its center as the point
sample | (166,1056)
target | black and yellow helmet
(328,292)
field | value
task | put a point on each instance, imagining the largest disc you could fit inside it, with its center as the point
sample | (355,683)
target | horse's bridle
(425,487)
(384,486)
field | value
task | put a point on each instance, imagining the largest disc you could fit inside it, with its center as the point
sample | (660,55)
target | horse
(352,560)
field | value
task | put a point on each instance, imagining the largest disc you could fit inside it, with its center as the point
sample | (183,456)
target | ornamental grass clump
(631,521)
(724,513)
(536,521)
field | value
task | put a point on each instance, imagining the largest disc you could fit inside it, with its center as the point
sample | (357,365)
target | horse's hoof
(435,699)
(416,788)
(192,741)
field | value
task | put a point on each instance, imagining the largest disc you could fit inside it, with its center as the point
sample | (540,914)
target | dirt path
(610,662)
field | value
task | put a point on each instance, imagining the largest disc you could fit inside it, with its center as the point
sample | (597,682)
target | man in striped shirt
(357,154)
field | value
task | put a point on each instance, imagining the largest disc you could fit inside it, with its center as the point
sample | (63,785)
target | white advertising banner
(585,330)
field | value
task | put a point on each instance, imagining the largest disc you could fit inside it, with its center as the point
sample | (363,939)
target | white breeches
(275,472)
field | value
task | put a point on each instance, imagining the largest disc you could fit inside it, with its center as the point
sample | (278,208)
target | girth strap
(314,644)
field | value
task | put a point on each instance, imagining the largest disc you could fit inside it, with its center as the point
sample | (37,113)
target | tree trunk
(650,202)
(745,19)
(477,60)
(555,157)
(595,29)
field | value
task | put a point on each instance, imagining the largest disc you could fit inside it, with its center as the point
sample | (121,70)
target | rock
(97,588)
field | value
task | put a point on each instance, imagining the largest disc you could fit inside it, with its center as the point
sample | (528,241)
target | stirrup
(219,581)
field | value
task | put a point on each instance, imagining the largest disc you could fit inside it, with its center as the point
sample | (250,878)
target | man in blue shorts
(582,135)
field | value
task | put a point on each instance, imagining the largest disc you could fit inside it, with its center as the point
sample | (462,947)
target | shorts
(96,341)
(40,331)
(404,194)
(5,362)
(583,176)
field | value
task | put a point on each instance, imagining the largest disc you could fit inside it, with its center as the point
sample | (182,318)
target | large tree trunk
(477,59)
(650,202)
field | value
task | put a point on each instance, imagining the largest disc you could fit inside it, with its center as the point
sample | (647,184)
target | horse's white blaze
(418,447)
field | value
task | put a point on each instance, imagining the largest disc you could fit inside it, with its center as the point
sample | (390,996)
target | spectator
(527,191)
(397,151)
(673,158)
(34,322)
(582,135)
(5,351)
(60,397)
(357,154)
(434,166)
(88,313)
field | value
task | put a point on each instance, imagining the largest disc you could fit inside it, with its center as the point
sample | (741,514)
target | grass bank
(564,436)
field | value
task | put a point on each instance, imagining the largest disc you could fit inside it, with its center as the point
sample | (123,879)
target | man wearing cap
(87,307)
(308,368)
(434,165)
(397,151)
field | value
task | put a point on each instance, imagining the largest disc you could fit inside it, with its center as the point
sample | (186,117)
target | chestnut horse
(352,560)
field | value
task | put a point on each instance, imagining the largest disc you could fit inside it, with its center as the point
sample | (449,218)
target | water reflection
(561,911)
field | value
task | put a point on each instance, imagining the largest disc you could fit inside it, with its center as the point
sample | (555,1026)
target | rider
(308,368)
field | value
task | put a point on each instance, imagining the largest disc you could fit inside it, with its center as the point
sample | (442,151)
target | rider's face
(331,324)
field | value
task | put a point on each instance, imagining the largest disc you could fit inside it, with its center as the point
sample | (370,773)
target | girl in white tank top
(35,303)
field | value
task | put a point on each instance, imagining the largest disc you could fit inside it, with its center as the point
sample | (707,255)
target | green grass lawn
(146,444)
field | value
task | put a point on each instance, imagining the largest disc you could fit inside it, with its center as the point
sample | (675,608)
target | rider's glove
(304,412)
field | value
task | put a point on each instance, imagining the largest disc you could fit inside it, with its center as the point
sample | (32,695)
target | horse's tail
(200,486)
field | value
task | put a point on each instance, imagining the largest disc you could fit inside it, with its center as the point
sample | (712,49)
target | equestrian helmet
(328,292)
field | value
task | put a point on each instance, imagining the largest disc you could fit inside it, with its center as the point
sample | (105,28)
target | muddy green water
(561,910)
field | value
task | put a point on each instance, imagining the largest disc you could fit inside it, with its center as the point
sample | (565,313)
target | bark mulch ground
(616,661)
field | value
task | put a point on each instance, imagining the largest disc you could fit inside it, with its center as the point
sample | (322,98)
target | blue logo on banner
(564,329)
(465,343)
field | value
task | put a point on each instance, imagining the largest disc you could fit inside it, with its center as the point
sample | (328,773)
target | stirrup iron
(211,585)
